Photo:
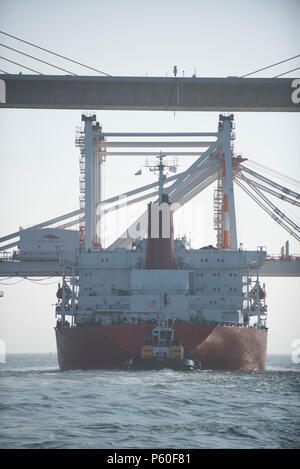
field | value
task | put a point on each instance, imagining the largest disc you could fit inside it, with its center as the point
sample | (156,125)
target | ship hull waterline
(219,347)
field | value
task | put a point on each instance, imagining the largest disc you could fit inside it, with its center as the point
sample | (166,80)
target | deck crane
(215,162)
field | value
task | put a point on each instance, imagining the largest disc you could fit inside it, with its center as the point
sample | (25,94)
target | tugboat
(162,351)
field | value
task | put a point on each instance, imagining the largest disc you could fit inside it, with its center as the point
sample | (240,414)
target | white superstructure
(207,285)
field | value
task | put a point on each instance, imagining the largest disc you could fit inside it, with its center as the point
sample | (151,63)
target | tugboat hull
(184,364)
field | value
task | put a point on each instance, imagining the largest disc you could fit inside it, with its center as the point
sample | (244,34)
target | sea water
(42,407)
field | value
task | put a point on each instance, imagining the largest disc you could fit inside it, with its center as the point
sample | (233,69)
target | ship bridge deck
(10,266)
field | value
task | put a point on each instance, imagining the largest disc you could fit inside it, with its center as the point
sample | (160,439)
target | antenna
(160,167)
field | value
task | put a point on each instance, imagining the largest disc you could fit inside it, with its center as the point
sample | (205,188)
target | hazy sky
(39,162)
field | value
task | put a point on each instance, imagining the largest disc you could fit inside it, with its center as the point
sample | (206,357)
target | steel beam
(154,144)
(151,153)
(149,93)
(159,134)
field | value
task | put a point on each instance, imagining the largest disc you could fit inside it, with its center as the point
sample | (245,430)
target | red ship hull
(108,347)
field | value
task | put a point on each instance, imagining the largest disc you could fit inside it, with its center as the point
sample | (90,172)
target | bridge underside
(148,93)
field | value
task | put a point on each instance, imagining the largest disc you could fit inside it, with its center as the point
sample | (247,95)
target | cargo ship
(120,302)
(111,301)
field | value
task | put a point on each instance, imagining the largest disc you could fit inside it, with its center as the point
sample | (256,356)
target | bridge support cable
(267,210)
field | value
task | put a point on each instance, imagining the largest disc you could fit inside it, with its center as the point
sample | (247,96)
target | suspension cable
(20,65)
(285,73)
(270,66)
(54,53)
(39,60)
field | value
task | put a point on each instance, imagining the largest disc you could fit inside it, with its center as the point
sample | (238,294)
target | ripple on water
(42,407)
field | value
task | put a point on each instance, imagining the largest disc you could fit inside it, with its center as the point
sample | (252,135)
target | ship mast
(162,178)
(160,242)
